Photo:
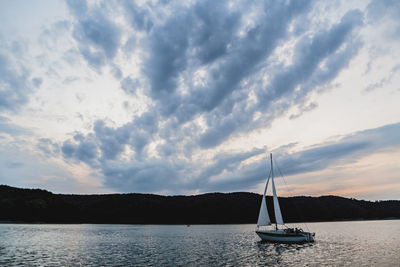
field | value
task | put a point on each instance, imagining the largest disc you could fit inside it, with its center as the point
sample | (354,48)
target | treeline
(35,205)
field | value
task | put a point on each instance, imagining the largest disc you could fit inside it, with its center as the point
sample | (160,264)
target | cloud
(309,52)
(246,54)
(216,43)
(15,84)
(98,37)
(107,143)
(347,150)
(111,141)
(177,91)
(242,179)
(139,17)
(116,72)
(148,176)
(172,176)
(231,59)
(14,164)
(6,126)
(226,162)
(210,72)
(168,44)
(229,171)
(384,81)
(77,7)
(129,85)
(385,13)
(378,10)
(37,81)
(48,147)
(350,148)
(22,166)
(214,29)
(335,46)
(303,109)
(86,150)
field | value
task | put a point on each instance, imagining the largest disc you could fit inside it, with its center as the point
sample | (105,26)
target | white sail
(277,209)
(263,217)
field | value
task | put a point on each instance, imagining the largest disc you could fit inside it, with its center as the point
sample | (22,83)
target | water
(361,243)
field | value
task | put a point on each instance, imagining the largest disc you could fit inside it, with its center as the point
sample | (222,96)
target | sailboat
(282,234)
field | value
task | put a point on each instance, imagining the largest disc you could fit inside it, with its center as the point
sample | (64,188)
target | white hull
(281,236)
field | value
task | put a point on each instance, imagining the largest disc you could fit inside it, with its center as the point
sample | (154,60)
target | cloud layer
(189,80)
(208,70)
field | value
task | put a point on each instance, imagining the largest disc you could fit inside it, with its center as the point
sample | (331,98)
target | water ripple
(374,243)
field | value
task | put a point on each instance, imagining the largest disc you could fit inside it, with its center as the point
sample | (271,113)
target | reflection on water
(275,254)
(375,243)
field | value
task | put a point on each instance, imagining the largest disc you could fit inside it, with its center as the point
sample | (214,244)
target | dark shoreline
(40,206)
(194,224)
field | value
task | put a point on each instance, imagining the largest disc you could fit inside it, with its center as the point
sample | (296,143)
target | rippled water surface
(361,243)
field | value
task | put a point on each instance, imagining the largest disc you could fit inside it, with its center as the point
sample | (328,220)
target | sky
(190,97)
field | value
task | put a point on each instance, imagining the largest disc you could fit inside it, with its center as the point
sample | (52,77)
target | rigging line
(296,207)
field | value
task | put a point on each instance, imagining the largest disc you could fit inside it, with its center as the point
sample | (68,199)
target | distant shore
(39,206)
(195,224)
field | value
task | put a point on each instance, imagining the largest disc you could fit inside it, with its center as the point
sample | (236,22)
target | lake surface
(359,243)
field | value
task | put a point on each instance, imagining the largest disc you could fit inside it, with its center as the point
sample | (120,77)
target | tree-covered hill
(35,205)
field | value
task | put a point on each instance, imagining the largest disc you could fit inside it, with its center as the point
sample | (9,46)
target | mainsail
(277,209)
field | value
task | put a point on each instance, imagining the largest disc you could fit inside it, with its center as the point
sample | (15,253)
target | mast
(272,168)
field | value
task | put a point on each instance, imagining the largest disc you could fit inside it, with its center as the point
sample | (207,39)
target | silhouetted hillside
(35,205)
